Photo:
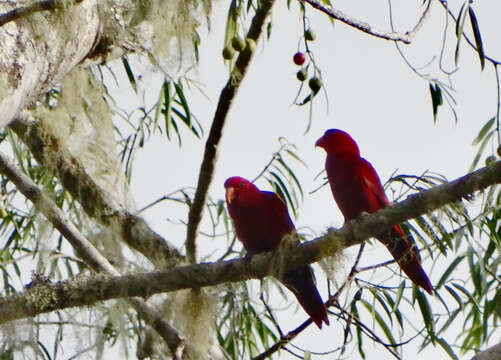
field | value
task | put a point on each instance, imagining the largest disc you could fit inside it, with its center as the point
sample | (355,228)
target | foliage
(372,304)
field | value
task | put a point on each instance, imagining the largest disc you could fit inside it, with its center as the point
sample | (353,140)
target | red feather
(261,222)
(356,187)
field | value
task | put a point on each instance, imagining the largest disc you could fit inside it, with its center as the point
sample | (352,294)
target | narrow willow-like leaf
(436,99)
(459,28)
(425,308)
(447,348)
(168,108)
(478,38)
(231,22)
(448,271)
(483,131)
(380,321)
(130,73)
(184,104)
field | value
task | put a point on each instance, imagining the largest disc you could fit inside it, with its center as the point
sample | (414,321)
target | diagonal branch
(96,202)
(468,40)
(24,11)
(367,28)
(84,292)
(225,100)
(492,353)
(86,250)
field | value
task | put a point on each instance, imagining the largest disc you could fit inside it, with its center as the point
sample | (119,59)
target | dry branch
(87,291)
(225,99)
(367,28)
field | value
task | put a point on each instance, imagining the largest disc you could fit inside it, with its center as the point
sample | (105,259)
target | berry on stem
(299,58)
(315,84)
(301,75)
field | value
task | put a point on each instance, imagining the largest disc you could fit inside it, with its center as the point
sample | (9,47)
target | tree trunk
(39,48)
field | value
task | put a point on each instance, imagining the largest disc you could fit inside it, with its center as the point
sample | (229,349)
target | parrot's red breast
(356,188)
(261,222)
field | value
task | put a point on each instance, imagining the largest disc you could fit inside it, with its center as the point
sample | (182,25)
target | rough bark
(40,49)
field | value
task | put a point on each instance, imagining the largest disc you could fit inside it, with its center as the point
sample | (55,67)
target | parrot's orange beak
(319,142)
(230,194)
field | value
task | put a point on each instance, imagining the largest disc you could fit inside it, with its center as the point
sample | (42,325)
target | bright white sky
(372,94)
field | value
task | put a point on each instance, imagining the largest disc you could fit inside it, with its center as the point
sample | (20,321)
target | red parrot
(356,188)
(261,222)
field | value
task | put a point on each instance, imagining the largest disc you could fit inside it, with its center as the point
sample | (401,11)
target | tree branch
(24,11)
(96,202)
(225,100)
(367,28)
(468,40)
(86,250)
(87,291)
(492,353)
(25,74)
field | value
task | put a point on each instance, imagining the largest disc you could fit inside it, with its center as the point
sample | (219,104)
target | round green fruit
(490,159)
(228,53)
(237,43)
(301,75)
(315,84)
(310,35)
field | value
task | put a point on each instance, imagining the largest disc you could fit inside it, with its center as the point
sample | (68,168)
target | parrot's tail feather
(302,284)
(406,254)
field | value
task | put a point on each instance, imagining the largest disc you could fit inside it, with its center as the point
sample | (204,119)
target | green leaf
(478,38)
(399,295)
(379,320)
(168,108)
(455,295)
(130,73)
(468,295)
(459,28)
(447,348)
(483,131)
(184,104)
(481,150)
(284,191)
(231,22)
(448,271)
(425,308)
(354,312)
(436,99)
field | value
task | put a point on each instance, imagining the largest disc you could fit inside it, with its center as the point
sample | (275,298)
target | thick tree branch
(65,38)
(20,12)
(85,249)
(87,291)
(492,353)
(367,28)
(225,100)
(97,203)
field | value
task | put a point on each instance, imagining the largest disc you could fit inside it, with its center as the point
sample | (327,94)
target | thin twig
(367,28)
(446,7)
(225,100)
(287,338)
(498,105)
